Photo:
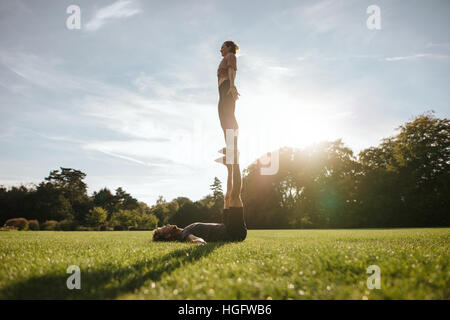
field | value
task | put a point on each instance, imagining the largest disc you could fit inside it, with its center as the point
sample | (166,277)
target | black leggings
(226,107)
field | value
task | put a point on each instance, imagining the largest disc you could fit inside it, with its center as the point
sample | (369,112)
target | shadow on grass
(109,281)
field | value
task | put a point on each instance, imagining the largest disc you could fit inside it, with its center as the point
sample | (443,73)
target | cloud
(35,70)
(323,16)
(133,150)
(118,10)
(419,56)
(164,125)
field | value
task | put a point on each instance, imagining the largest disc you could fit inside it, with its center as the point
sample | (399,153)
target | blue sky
(131,98)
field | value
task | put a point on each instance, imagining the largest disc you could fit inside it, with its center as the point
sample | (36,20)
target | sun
(272,121)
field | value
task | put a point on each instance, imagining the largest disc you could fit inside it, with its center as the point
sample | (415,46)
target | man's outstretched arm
(194,239)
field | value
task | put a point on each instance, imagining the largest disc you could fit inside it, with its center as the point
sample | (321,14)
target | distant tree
(134,218)
(165,211)
(406,180)
(124,200)
(187,214)
(17,201)
(314,187)
(217,201)
(52,204)
(70,182)
(123,218)
(105,199)
(96,217)
(148,221)
(216,188)
(161,210)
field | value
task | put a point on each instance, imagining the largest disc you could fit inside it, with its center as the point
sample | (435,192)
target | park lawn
(269,264)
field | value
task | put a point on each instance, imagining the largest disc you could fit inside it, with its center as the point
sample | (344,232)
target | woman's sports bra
(228,61)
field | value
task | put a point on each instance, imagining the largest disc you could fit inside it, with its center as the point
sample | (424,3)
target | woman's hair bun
(234,46)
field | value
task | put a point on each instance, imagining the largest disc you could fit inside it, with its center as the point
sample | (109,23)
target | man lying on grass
(233,227)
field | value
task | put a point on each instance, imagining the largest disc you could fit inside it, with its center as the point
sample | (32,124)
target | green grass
(269,264)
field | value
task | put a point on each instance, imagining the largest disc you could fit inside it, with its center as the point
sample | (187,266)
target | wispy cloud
(154,121)
(118,10)
(419,56)
(323,16)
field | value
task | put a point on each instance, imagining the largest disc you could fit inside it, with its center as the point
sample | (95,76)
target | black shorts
(235,224)
(226,107)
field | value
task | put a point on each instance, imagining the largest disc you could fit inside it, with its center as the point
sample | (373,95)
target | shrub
(33,225)
(148,222)
(96,216)
(134,218)
(67,225)
(9,228)
(19,223)
(120,228)
(81,228)
(49,225)
(104,227)
(123,218)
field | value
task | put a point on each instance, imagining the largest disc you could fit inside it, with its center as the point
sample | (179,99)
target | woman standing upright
(228,94)
(226,73)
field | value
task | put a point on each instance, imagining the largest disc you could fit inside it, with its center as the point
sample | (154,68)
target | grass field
(269,264)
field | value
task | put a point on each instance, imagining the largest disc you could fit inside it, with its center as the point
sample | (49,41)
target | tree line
(402,182)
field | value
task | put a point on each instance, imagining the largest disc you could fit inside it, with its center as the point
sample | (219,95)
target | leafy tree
(123,218)
(148,221)
(165,211)
(96,216)
(52,204)
(124,200)
(217,201)
(70,182)
(105,199)
(410,175)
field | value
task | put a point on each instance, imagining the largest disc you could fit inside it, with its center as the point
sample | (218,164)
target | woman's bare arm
(231,76)
(194,239)
(233,90)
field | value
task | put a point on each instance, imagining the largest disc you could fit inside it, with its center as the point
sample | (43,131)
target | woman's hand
(234,93)
(199,241)
(194,239)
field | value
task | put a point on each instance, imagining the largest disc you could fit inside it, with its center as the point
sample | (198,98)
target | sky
(130,98)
